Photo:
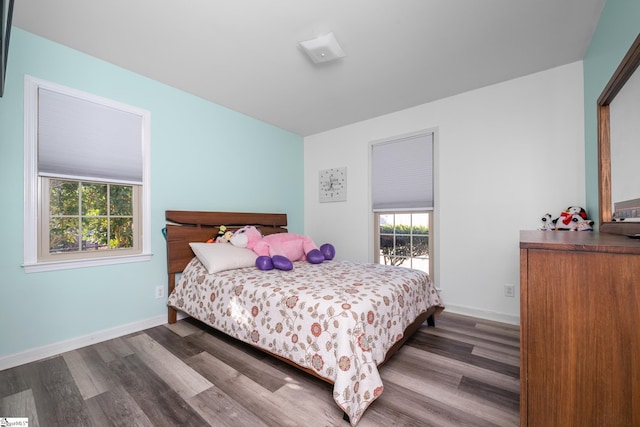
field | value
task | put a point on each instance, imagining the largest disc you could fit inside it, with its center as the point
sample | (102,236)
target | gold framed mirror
(623,73)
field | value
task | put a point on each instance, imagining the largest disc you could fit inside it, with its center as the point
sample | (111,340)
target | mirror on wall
(619,147)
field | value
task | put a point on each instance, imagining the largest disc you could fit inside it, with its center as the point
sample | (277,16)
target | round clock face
(333,185)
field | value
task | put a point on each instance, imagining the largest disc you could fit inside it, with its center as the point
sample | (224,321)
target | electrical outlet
(159,291)
(509,290)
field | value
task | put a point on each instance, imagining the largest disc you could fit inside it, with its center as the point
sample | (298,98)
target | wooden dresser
(580,329)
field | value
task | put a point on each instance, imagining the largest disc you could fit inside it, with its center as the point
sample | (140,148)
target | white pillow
(223,256)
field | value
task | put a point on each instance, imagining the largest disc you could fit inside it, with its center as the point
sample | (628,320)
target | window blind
(402,174)
(81,139)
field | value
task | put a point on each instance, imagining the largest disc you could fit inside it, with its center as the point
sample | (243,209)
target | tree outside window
(404,239)
(89,216)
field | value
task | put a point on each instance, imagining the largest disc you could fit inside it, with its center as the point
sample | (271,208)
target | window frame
(376,221)
(34,187)
(44,243)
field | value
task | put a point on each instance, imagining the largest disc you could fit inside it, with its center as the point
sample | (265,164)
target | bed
(338,320)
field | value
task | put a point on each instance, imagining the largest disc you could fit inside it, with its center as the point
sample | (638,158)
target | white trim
(434,238)
(146,182)
(482,314)
(423,209)
(88,179)
(49,350)
(31,193)
(39,267)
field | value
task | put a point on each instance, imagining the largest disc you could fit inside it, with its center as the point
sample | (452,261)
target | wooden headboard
(184,227)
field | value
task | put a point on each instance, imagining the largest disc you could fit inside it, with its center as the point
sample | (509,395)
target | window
(403,239)
(86,179)
(402,200)
(79,218)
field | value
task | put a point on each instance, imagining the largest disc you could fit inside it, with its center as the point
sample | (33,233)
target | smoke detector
(323,49)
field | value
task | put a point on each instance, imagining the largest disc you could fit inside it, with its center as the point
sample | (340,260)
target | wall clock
(333,185)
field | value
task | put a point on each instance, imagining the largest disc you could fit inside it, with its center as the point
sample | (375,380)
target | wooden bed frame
(184,227)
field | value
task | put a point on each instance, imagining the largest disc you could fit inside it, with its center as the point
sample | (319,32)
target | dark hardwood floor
(463,372)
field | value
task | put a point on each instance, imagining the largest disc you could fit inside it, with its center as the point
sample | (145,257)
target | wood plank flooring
(463,372)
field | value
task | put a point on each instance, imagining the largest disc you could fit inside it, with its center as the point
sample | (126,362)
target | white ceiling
(244,54)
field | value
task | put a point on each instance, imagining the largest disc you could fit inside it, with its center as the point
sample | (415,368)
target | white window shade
(81,139)
(402,174)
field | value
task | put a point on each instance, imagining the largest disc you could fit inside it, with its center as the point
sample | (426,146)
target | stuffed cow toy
(548,223)
(281,249)
(578,223)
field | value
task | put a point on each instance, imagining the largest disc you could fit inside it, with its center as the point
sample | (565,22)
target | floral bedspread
(337,318)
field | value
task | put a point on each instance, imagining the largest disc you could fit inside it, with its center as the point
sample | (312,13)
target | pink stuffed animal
(281,249)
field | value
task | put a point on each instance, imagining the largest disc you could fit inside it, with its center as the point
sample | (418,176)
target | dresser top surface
(587,241)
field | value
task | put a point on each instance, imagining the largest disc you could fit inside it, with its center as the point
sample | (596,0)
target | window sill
(81,263)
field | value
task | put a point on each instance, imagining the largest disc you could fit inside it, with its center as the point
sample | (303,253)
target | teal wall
(618,27)
(203,157)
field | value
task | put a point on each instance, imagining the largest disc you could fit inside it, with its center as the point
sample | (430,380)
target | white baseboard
(483,314)
(38,353)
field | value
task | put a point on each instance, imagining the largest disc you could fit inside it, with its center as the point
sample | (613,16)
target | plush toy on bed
(281,249)
(574,218)
(223,236)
